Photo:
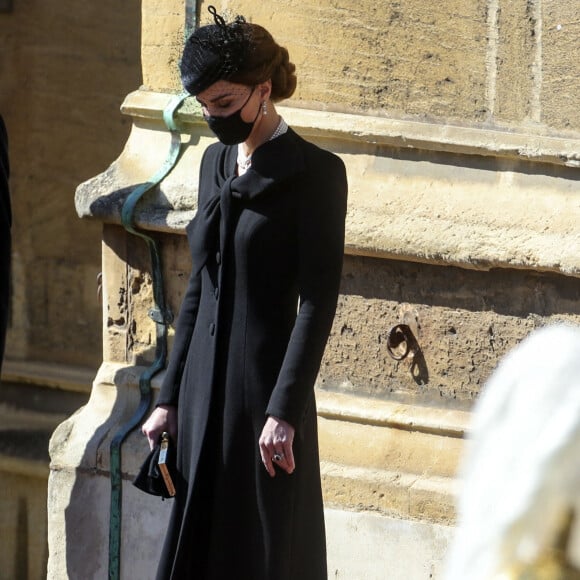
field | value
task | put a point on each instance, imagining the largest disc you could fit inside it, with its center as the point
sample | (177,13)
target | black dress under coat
(261,243)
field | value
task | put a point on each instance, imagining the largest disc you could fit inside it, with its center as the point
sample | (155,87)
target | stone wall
(489,62)
(65,69)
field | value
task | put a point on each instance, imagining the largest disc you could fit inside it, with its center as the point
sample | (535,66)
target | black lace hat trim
(214,52)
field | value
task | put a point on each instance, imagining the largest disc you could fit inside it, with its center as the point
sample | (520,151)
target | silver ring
(277,457)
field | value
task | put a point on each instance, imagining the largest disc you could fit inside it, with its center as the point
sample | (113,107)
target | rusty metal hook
(400,341)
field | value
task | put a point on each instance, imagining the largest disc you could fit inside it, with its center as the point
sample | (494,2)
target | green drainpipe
(159,313)
(162,317)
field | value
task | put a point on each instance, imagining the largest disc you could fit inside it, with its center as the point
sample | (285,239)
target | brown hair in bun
(265,60)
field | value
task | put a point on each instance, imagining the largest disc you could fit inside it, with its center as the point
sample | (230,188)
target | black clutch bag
(157,474)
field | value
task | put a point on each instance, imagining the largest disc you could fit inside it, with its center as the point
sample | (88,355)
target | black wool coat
(267,250)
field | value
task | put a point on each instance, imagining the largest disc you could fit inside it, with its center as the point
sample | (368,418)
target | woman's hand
(276,445)
(163,418)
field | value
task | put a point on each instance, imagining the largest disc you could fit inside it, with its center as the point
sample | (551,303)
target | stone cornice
(425,192)
(375,130)
(384,413)
(51,375)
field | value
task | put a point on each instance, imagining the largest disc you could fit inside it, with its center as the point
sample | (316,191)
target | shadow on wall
(86,513)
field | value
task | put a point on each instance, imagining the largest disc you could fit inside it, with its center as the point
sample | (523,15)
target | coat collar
(272,163)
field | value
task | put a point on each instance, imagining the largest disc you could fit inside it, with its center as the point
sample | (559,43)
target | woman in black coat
(267,245)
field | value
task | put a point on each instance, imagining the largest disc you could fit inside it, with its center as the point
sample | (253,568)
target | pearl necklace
(245,161)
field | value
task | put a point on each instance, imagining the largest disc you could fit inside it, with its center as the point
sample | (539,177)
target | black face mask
(232,129)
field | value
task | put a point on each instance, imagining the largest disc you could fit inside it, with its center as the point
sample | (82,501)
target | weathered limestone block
(467,320)
(128,329)
(163,30)
(560,68)
(507,62)
(534,50)
(392,458)
(378,57)
(511,62)
(414,550)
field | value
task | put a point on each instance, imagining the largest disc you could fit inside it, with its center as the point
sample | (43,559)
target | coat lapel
(272,163)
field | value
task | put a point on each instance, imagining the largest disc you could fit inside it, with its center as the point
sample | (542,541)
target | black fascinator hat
(214,52)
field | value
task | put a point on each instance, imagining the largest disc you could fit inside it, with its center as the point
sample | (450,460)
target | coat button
(216,293)
(218,258)
(212,329)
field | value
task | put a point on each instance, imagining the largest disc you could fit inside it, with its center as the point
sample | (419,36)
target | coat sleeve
(320,254)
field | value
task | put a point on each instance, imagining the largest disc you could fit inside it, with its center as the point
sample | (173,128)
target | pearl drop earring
(264,108)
